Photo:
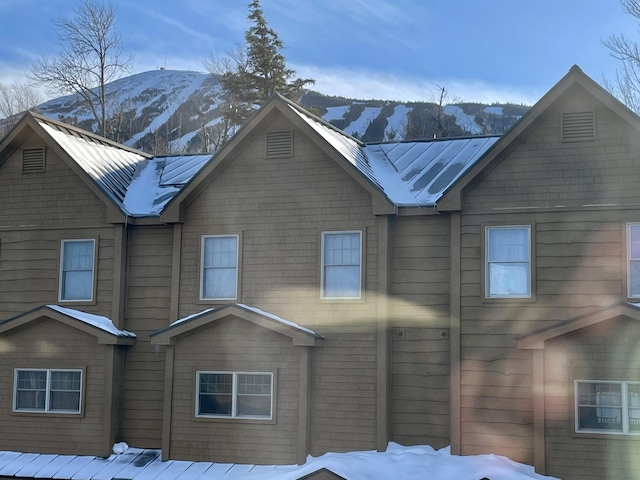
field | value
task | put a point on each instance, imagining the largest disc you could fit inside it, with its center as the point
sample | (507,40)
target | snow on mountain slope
(169,112)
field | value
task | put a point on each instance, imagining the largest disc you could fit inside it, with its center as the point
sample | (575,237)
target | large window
(47,391)
(607,407)
(341,264)
(633,259)
(77,270)
(508,262)
(234,395)
(219,278)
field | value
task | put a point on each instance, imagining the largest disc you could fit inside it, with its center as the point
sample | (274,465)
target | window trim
(326,233)
(485,271)
(94,272)
(47,410)
(624,406)
(629,226)
(234,394)
(201,295)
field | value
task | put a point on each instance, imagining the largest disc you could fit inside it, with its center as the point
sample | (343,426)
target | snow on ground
(359,126)
(397,122)
(463,120)
(336,113)
(397,463)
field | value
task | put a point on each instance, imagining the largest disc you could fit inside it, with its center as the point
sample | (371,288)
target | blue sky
(486,51)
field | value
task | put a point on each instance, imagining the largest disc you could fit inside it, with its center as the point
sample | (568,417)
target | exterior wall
(235,345)
(419,306)
(54,198)
(49,344)
(30,266)
(280,207)
(36,212)
(147,310)
(577,196)
(607,351)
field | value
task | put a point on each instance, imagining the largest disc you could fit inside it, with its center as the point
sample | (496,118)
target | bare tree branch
(91,57)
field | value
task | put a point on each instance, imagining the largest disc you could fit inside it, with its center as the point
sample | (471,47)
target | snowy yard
(397,463)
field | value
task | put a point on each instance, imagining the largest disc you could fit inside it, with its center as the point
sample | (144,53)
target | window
(219,279)
(508,262)
(76,270)
(48,391)
(607,407)
(633,259)
(341,260)
(234,395)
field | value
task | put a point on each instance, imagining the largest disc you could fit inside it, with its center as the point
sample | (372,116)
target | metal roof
(417,173)
(408,173)
(109,165)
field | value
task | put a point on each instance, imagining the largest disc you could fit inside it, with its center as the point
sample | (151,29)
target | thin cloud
(362,84)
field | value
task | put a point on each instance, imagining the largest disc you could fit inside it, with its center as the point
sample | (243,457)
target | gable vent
(33,160)
(279,144)
(578,126)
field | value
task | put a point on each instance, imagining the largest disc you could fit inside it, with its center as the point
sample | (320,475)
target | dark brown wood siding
(577,197)
(50,344)
(147,310)
(607,351)
(419,310)
(280,207)
(235,345)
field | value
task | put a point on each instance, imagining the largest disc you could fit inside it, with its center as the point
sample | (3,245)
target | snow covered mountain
(169,111)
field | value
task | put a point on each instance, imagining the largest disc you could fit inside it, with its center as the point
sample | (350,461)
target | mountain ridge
(178,111)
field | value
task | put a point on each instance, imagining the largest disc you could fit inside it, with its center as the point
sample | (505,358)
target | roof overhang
(536,339)
(299,335)
(45,312)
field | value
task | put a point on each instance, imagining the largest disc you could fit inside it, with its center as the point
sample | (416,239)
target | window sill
(241,420)
(21,413)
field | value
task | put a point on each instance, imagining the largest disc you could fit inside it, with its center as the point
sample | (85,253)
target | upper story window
(633,260)
(234,395)
(77,260)
(508,262)
(607,407)
(341,265)
(219,277)
(47,391)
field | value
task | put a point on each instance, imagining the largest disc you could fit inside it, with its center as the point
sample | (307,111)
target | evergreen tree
(260,70)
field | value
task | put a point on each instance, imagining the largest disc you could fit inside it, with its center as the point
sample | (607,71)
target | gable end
(33,160)
(279,144)
(578,126)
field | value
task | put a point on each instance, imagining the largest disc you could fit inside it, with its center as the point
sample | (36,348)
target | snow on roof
(109,165)
(250,309)
(98,321)
(158,180)
(417,173)
(397,462)
(410,173)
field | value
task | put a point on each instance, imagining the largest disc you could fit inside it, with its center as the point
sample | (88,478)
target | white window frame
(48,390)
(624,406)
(488,262)
(234,396)
(323,266)
(203,268)
(631,260)
(62,295)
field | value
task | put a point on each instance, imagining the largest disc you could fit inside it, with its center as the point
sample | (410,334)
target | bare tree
(15,99)
(626,84)
(91,57)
